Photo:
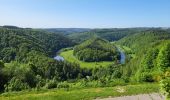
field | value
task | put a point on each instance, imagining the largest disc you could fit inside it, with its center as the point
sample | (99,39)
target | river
(59,58)
(122,56)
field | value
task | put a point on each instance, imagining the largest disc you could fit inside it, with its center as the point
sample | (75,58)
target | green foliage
(110,72)
(163,63)
(149,60)
(145,46)
(15,69)
(63,85)
(27,52)
(146,77)
(3,78)
(17,43)
(1,65)
(51,84)
(165,87)
(141,41)
(40,82)
(16,84)
(148,66)
(113,34)
(68,56)
(163,60)
(22,72)
(95,49)
(66,31)
(82,93)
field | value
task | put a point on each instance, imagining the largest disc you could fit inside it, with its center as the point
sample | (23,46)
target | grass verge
(81,93)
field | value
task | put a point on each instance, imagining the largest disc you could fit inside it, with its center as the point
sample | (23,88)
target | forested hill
(66,31)
(146,48)
(25,59)
(143,40)
(16,43)
(112,34)
(96,49)
(26,63)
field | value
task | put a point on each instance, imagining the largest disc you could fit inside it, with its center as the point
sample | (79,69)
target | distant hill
(13,27)
(67,31)
(112,34)
(96,49)
(10,27)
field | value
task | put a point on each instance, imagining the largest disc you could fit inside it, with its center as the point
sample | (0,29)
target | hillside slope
(112,34)
(16,43)
(145,46)
(96,49)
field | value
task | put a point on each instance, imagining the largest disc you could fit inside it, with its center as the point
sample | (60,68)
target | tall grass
(81,93)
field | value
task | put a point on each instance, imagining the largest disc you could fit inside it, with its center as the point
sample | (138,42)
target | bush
(51,84)
(15,84)
(165,87)
(3,78)
(146,77)
(40,82)
(63,85)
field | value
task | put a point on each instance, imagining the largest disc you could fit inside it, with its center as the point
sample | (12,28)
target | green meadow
(68,56)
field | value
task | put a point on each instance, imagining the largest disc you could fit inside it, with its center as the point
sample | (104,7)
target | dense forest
(26,58)
(66,31)
(141,43)
(96,49)
(108,34)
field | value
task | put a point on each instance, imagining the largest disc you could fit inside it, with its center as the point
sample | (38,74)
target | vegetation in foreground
(81,93)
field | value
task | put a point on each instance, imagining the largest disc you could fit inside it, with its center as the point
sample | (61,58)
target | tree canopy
(96,49)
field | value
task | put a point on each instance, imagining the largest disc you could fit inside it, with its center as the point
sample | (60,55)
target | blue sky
(85,13)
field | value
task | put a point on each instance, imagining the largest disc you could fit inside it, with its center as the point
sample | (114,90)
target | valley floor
(68,56)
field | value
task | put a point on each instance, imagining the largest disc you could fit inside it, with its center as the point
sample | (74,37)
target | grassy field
(81,94)
(68,56)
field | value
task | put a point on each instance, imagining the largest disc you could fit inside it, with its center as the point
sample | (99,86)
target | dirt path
(152,96)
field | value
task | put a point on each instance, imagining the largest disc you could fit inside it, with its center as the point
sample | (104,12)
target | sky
(85,13)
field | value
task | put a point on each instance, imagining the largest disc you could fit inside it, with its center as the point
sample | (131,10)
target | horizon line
(85,27)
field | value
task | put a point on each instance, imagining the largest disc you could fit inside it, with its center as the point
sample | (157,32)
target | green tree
(3,79)
(16,84)
(163,60)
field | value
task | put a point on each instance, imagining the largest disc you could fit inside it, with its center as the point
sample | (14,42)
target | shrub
(146,77)
(3,78)
(15,84)
(39,82)
(165,87)
(63,85)
(51,84)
